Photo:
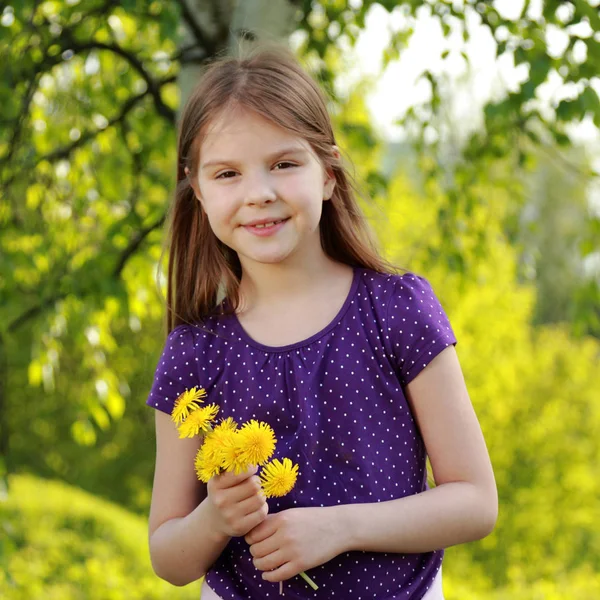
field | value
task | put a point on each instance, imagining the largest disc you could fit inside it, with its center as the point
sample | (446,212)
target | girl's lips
(265,230)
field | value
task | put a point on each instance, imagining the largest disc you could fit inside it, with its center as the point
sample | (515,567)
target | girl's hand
(295,540)
(237,502)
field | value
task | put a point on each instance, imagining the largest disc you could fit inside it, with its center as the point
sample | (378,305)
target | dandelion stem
(308,580)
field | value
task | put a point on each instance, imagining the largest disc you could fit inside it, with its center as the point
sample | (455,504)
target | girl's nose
(259,190)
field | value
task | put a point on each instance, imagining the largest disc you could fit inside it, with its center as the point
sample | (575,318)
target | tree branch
(134,244)
(102,9)
(137,169)
(33,76)
(86,136)
(127,253)
(34,311)
(90,135)
(122,259)
(196,30)
(27,97)
(154,88)
(190,54)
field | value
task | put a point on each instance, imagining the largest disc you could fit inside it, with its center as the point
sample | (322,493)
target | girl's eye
(284,164)
(225,175)
(287,164)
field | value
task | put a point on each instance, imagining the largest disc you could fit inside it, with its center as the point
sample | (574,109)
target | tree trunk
(217,27)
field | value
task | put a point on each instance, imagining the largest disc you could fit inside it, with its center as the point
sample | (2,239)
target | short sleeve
(417,324)
(176,371)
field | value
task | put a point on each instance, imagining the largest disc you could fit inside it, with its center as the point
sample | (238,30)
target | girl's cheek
(219,211)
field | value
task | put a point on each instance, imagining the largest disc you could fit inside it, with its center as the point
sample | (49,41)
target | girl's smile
(265,227)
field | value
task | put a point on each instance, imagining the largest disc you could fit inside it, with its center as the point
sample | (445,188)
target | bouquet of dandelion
(228,447)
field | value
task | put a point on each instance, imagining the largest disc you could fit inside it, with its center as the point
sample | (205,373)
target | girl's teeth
(263,225)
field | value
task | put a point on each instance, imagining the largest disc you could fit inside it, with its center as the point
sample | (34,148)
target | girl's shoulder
(188,341)
(188,352)
(406,288)
(414,321)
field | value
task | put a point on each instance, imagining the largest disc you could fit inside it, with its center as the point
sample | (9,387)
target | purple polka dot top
(336,402)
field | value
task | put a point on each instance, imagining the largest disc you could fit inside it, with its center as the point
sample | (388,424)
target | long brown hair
(270,82)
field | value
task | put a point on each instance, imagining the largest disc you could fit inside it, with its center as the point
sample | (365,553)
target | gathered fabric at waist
(435,592)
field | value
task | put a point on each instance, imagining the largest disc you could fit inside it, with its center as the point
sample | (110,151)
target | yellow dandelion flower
(185,403)
(207,464)
(221,448)
(231,455)
(228,424)
(256,442)
(199,421)
(223,441)
(278,478)
(233,462)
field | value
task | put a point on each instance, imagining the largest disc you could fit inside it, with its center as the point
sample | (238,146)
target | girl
(353,365)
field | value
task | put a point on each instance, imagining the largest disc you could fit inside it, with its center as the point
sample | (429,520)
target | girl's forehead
(234,128)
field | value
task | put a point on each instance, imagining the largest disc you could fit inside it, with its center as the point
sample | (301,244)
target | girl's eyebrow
(270,158)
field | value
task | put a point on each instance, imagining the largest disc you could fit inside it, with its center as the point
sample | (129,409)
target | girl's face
(262,189)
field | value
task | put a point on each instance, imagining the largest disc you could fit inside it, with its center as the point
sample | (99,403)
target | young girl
(281,309)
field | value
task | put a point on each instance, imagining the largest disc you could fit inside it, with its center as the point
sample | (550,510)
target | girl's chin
(265,258)
(268,260)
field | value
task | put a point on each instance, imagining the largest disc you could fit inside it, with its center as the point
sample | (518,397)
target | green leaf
(590,101)
(520,56)
(539,69)
(568,110)
(561,138)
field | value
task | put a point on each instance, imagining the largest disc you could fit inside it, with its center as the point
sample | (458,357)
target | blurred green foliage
(60,543)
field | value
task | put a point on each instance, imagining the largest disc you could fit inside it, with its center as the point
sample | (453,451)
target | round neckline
(309,340)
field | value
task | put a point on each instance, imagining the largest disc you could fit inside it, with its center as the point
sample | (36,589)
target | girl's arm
(190,524)
(183,544)
(464,505)
(462,508)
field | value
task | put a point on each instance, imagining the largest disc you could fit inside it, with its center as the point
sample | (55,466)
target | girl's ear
(330,181)
(193,183)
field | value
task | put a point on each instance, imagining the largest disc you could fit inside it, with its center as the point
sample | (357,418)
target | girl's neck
(265,285)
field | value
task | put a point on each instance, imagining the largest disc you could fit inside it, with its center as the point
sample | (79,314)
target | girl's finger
(250,521)
(249,488)
(270,562)
(265,530)
(251,504)
(284,572)
(264,548)
(227,480)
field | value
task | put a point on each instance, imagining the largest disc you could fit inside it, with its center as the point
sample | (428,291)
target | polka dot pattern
(336,402)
